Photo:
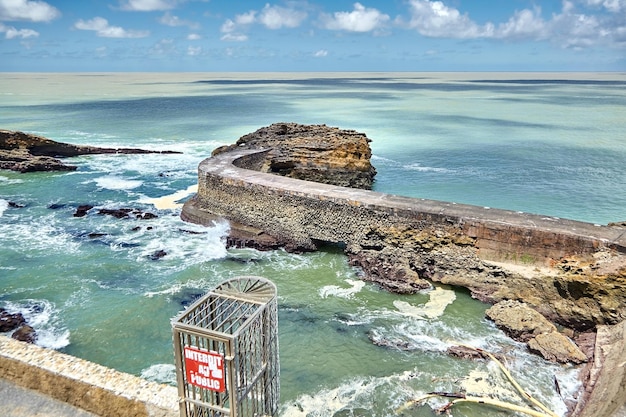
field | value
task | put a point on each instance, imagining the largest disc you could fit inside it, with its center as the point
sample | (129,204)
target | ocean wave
(337,291)
(40,234)
(117,183)
(162,373)
(44,317)
(4,204)
(420,168)
(9,181)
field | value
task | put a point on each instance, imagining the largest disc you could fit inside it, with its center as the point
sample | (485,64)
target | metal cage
(226,348)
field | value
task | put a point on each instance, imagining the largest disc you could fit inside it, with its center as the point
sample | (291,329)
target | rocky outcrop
(25,152)
(316,153)
(16,323)
(524,324)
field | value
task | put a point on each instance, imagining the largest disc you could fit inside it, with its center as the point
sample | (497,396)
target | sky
(312,35)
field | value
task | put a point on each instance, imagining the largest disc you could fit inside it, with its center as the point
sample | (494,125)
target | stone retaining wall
(86,385)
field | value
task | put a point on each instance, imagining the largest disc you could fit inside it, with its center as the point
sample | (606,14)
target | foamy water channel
(93,287)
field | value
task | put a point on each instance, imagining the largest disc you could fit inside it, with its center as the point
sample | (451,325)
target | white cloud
(361,19)
(321,53)
(524,24)
(272,17)
(229,30)
(569,28)
(614,6)
(164,47)
(11,33)
(234,37)
(246,18)
(435,19)
(147,5)
(577,30)
(169,19)
(34,11)
(275,17)
(102,28)
(193,37)
(194,51)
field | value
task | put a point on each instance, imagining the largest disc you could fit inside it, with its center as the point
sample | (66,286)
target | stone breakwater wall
(86,385)
(402,242)
(301,212)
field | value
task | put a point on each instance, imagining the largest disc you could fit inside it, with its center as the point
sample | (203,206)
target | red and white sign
(205,369)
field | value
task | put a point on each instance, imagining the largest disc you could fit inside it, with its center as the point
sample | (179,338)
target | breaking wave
(43,316)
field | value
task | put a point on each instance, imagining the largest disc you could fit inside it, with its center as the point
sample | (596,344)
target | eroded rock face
(317,153)
(524,324)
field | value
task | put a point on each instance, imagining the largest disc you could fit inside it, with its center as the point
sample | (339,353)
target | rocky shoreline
(25,152)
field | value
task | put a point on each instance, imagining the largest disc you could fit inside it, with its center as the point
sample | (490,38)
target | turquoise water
(543,143)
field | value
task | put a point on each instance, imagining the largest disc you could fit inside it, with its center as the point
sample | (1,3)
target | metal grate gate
(226,348)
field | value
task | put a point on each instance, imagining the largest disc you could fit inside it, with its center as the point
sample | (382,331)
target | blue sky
(312,35)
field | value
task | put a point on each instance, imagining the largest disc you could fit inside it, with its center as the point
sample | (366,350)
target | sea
(547,143)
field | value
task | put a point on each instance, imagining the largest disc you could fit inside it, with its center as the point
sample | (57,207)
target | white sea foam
(337,291)
(117,183)
(171,201)
(439,299)
(329,401)
(162,373)
(184,244)
(43,316)
(420,168)
(9,181)
(172,289)
(43,234)
(3,206)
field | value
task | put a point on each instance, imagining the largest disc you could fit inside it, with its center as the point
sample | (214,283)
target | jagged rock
(555,347)
(25,152)
(25,334)
(524,324)
(464,352)
(518,320)
(82,210)
(312,152)
(158,255)
(10,321)
(403,259)
(123,213)
(392,273)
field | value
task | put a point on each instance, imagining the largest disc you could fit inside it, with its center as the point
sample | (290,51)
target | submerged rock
(124,213)
(25,333)
(81,211)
